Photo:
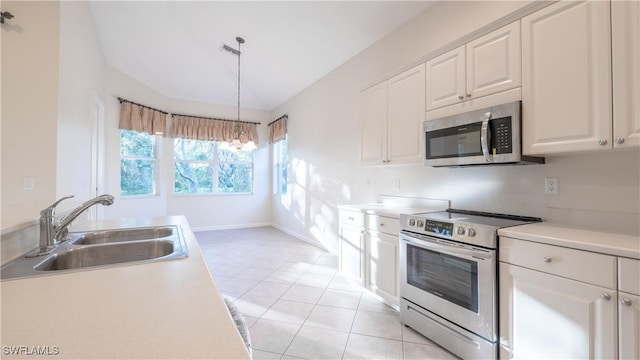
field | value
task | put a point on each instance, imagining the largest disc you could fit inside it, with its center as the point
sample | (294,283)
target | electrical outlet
(396,184)
(28,183)
(551,185)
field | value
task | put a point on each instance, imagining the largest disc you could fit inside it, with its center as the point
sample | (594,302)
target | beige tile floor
(297,305)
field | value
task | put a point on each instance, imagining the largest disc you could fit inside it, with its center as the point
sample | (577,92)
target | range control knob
(460,230)
(412,222)
(471,232)
(420,223)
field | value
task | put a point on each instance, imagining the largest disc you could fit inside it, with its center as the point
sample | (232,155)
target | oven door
(452,280)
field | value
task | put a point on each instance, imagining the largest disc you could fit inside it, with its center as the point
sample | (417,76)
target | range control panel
(455,230)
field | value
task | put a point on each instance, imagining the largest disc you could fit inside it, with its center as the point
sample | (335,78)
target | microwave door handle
(484,137)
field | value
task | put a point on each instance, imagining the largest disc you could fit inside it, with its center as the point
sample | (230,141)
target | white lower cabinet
(556,302)
(351,246)
(382,266)
(369,253)
(544,316)
(629,326)
(629,308)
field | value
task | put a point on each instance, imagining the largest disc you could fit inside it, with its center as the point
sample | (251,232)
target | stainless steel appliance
(448,278)
(489,136)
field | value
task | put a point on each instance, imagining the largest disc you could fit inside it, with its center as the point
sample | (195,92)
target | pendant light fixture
(240,140)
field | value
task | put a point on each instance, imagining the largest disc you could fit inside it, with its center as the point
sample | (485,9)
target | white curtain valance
(142,119)
(278,129)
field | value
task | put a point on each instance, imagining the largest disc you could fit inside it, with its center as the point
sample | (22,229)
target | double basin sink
(103,248)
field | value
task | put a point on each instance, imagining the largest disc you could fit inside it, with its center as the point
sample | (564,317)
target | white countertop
(169,309)
(577,238)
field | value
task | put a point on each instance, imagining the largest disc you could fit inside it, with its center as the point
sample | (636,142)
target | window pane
(192,178)
(133,143)
(239,156)
(136,177)
(185,149)
(234,178)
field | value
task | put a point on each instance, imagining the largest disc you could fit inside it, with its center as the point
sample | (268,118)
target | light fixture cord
(238,83)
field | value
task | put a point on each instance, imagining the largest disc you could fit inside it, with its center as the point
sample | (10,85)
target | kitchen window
(280,159)
(138,163)
(201,167)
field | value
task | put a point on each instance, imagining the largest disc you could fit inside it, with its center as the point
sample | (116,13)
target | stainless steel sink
(104,248)
(113,236)
(88,256)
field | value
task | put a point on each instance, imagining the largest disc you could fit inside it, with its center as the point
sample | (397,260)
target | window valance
(142,118)
(278,129)
(211,129)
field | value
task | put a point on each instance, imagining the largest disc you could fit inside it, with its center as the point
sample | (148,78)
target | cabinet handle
(626,302)
(468,95)
(620,140)
(460,97)
(351,218)
(547,259)
(602,142)
(605,296)
(381,224)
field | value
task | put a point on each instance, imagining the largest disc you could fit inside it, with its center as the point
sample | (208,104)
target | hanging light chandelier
(240,139)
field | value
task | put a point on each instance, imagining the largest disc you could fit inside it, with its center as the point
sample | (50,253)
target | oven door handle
(450,249)
(484,137)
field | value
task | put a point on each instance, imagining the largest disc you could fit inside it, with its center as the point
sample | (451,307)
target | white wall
(595,189)
(80,79)
(29,108)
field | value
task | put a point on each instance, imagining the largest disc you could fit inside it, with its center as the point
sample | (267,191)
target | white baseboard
(227,227)
(298,236)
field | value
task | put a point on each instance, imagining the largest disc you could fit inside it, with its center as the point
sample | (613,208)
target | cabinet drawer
(629,275)
(585,266)
(383,224)
(351,218)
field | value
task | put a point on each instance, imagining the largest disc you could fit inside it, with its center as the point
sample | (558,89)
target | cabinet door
(493,62)
(566,78)
(373,124)
(625,37)
(545,316)
(351,253)
(446,79)
(629,326)
(406,113)
(382,265)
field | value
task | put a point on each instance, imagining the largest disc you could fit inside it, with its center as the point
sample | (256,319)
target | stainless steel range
(448,278)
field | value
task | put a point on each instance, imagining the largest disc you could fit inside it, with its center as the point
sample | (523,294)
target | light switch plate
(28,183)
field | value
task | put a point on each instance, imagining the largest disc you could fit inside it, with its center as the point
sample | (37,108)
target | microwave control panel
(501,141)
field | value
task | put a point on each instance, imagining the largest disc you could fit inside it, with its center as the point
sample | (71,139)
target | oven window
(458,141)
(451,278)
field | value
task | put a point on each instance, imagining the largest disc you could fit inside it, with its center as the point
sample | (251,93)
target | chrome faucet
(52,234)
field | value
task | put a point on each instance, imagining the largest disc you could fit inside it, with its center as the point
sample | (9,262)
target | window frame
(214,162)
(279,162)
(154,157)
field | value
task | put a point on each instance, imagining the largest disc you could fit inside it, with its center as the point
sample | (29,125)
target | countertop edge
(623,245)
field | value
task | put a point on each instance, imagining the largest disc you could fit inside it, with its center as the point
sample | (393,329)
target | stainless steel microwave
(489,136)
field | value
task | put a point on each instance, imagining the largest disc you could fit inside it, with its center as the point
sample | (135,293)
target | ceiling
(174,47)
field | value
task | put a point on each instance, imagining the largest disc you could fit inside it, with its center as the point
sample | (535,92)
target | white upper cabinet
(625,20)
(484,66)
(373,124)
(566,78)
(391,116)
(405,115)
(493,62)
(446,79)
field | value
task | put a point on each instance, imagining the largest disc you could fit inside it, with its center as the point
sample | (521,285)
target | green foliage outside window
(202,168)
(137,163)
